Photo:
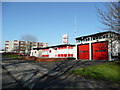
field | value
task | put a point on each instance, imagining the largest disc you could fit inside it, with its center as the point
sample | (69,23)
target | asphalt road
(50,74)
(9,82)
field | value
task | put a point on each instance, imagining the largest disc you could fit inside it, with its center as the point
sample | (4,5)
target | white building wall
(10,46)
(39,53)
(54,53)
(34,53)
(74,52)
(7,45)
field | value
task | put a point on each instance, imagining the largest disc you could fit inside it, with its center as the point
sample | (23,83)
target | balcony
(15,44)
(6,41)
(6,44)
(22,44)
(6,47)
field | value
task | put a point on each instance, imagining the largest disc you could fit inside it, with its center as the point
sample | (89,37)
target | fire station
(99,46)
(64,50)
(58,51)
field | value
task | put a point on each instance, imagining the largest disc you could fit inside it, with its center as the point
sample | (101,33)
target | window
(93,38)
(55,48)
(100,50)
(78,41)
(103,36)
(106,36)
(100,37)
(86,51)
(88,39)
(96,37)
(83,51)
(49,51)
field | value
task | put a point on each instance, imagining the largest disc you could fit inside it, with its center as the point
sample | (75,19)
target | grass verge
(108,71)
(11,56)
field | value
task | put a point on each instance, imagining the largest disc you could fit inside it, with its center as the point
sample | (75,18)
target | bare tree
(111,16)
(111,19)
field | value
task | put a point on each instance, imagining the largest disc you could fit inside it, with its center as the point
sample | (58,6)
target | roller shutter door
(83,51)
(100,51)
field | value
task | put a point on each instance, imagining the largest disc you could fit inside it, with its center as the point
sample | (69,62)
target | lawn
(109,71)
(11,56)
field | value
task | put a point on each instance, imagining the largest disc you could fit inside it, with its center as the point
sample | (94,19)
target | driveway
(51,74)
(9,82)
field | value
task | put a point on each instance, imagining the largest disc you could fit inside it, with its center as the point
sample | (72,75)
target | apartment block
(22,46)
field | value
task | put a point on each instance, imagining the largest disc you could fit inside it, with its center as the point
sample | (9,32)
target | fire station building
(58,51)
(99,46)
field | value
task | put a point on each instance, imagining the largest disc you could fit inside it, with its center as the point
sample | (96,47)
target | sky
(48,21)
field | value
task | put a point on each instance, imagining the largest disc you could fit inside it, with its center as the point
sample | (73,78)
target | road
(34,75)
(8,81)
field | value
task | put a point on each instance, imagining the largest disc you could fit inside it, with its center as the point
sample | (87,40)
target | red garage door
(100,51)
(83,51)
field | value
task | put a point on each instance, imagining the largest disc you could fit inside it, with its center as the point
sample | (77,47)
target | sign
(64,39)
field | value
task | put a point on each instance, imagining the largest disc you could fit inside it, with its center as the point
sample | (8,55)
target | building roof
(96,34)
(62,45)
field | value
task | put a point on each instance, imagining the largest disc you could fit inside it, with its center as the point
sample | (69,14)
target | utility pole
(75,32)
(75,27)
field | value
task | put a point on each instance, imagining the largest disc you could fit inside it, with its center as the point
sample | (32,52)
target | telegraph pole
(75,27)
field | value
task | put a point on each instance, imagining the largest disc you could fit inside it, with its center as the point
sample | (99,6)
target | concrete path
(50,75)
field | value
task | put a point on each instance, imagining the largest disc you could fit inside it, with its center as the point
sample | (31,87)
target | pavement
(33,75)
(9,82)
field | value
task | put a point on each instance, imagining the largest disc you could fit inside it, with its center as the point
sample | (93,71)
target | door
(83,51)
(52,53)
(100,51)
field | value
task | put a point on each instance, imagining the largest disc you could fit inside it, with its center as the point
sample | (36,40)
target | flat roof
(62,45)
(96,34)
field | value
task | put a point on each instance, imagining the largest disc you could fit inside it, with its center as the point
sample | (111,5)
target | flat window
(103,36)
(88,39)
(55,48)
(100,50)
(83,51)
(96,37)
(93,38)
(100,37)
(106,36)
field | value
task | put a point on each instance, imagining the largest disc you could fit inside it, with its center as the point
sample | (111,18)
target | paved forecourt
(50,74)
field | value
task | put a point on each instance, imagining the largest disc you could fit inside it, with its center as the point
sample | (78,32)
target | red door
(83,51)
(100,51)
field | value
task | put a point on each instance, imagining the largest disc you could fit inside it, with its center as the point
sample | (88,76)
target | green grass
(11,56)
(107,71)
